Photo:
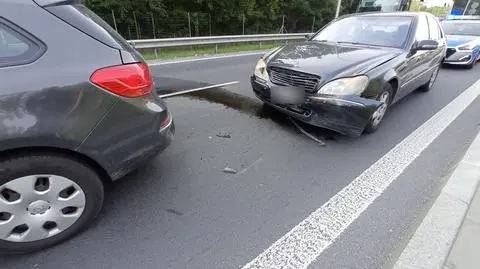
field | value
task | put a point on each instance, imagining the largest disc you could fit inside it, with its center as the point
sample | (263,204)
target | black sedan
(346,76)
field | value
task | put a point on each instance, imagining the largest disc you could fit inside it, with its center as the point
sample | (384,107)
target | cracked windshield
(246,134)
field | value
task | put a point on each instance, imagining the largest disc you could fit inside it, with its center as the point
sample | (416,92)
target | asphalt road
(182,211)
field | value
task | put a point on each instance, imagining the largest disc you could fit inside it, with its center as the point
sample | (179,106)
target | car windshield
(461,28)
(386,31)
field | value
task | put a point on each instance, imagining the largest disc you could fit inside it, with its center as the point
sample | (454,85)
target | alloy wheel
(381,111)
(36,207)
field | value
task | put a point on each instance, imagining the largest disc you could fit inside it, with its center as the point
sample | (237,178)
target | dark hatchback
(76,110)
(346,76)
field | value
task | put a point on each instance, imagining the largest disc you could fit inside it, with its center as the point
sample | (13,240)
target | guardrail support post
(216,48)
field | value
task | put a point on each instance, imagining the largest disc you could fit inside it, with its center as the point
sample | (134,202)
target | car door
(416,63)
(436,33)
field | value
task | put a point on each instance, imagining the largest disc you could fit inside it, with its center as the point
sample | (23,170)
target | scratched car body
(346,76)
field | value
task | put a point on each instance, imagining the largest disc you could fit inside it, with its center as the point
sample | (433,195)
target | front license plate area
(287,95)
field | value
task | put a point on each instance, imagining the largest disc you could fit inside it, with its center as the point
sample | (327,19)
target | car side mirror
(308,36)
(426,45)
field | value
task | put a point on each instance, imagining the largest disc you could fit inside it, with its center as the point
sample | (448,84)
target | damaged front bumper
(348,115)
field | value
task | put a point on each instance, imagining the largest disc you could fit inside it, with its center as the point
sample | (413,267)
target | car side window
(422,29)
(16,46)
(435,33)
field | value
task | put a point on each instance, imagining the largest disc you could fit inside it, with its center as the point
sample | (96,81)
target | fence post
(210,23)
(189,26)
(197,26)
(339,5)
(154,35)
(114,21)
(283,29)
(313,24)
(243,24)
(136,25)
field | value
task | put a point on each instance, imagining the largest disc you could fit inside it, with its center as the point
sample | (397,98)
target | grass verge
(192,51)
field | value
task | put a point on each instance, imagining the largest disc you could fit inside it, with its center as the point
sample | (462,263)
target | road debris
(224,135)
(250,166)
(229,170)
(320,142)
(176,212)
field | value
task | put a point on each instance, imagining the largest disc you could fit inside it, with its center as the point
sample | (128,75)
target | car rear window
(16,46)
(85,20)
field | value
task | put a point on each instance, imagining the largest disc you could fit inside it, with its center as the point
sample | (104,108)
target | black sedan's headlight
(261,70)
(345,86)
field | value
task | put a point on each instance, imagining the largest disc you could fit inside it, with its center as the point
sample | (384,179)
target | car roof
(391,14)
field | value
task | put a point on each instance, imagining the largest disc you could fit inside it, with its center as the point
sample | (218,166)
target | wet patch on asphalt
(240,103)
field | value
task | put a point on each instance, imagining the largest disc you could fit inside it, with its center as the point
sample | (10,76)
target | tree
(124,10)
(298,9)
(221,16)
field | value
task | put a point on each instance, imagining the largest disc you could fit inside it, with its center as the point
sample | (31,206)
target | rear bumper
(130,135)
(347,115)
(145,152)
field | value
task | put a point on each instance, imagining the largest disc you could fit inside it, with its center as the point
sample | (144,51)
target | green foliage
(175,18)
(435,10)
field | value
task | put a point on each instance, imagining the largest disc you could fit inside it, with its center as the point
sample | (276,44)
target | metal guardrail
(212,40)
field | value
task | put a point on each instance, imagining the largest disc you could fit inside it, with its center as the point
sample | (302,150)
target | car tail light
(130,80)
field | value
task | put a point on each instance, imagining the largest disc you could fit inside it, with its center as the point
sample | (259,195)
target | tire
(62,171)
(431,82)
(374,123)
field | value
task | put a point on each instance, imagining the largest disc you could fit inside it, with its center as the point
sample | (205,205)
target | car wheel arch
(394,83)
(62,152)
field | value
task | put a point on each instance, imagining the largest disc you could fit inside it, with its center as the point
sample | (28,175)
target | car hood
(457,40)
(330,60)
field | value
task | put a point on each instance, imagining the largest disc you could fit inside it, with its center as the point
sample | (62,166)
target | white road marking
(306,241)
(206,58)
(198,89)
